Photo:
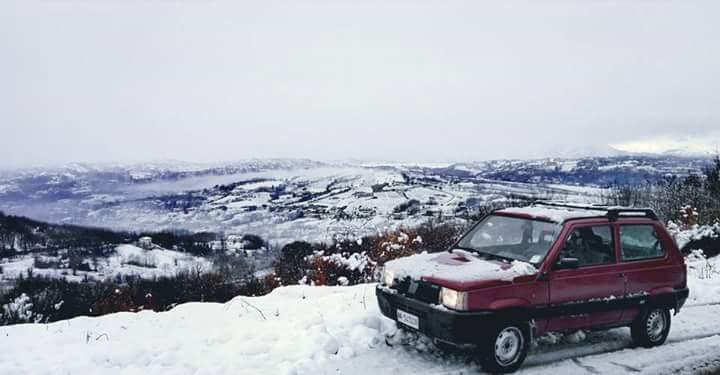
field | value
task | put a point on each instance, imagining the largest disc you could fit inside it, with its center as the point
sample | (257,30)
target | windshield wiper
(484,254)
(461,248)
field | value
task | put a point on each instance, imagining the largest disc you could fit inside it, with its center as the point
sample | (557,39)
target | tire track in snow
(679,357)
(689,350)
(607,352)
(585,367)
(626,367)
(679,345)
(701,305)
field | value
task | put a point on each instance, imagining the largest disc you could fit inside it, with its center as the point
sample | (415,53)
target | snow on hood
(457,266)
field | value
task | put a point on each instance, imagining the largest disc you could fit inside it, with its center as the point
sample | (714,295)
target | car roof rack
(615,212)
(612,212)
(577,206)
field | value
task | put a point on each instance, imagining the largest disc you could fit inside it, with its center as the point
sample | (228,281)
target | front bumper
(437,322)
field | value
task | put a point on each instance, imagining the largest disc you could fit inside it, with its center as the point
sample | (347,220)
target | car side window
(591,246)
(640,242)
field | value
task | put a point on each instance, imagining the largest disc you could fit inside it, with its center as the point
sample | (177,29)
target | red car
(522,272)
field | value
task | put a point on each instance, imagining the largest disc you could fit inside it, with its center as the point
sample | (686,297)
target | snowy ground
(325,330)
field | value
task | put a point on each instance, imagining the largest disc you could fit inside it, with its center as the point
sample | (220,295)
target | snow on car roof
(556,214)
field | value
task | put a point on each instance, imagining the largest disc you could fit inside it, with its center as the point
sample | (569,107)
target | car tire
(504,350)
(651,328)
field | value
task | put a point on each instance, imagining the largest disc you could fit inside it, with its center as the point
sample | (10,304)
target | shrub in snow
(411,207)
(58,299)
(690,200)
(292,265)
(435,237)
(340,268)
(706,237)
(349,260)
(395,245)
(688,216)
(20,311)
(234,266)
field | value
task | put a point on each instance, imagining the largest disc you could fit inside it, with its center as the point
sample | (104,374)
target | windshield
(512,237)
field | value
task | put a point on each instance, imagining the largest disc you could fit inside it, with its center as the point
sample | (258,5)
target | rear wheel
(651,328)
(505,349)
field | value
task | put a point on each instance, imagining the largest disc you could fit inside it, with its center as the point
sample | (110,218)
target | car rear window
(640,242)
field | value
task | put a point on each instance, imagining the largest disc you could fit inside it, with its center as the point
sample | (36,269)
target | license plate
(408,319)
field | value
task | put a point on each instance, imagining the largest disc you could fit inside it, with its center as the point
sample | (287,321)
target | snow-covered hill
(286,200)
(125,260)
(329,330)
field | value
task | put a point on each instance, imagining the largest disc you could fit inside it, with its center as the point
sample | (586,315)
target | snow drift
(332,330)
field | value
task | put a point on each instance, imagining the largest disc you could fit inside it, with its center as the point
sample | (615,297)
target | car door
(583,294)
(646,261)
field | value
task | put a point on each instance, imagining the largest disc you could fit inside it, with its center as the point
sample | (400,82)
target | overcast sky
(380,80)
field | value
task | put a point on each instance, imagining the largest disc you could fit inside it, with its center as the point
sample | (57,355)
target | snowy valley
(287,200)
(255,206)
(186,219)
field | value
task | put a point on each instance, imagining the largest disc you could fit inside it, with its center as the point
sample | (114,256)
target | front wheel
(504,350)
(651,328)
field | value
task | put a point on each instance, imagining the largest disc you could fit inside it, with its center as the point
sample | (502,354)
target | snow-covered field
(127,260)
(331,330)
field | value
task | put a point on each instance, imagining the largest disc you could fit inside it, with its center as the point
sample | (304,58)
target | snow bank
(307,330)
(703,278)
(292,330)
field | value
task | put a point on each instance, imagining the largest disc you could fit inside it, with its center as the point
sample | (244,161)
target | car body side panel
(583,285)
(652,277)
(517,296)
(513,295)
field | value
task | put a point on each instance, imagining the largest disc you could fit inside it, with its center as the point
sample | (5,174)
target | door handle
(622,275)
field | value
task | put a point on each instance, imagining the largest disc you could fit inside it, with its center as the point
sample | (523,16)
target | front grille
(419,290)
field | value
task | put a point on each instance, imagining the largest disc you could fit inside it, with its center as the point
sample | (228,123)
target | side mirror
(567,263)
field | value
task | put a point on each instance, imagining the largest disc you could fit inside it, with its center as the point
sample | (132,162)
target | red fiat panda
(522,272)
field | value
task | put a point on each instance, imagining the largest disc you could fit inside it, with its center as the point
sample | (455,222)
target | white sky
(380,80)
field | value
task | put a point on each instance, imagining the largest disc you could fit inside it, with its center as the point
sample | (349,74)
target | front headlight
(388,278)
(453,299)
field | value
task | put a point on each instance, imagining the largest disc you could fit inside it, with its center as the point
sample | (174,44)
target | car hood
(458,269)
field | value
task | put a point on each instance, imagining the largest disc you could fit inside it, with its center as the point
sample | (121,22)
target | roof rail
(612,212)
(578,206)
